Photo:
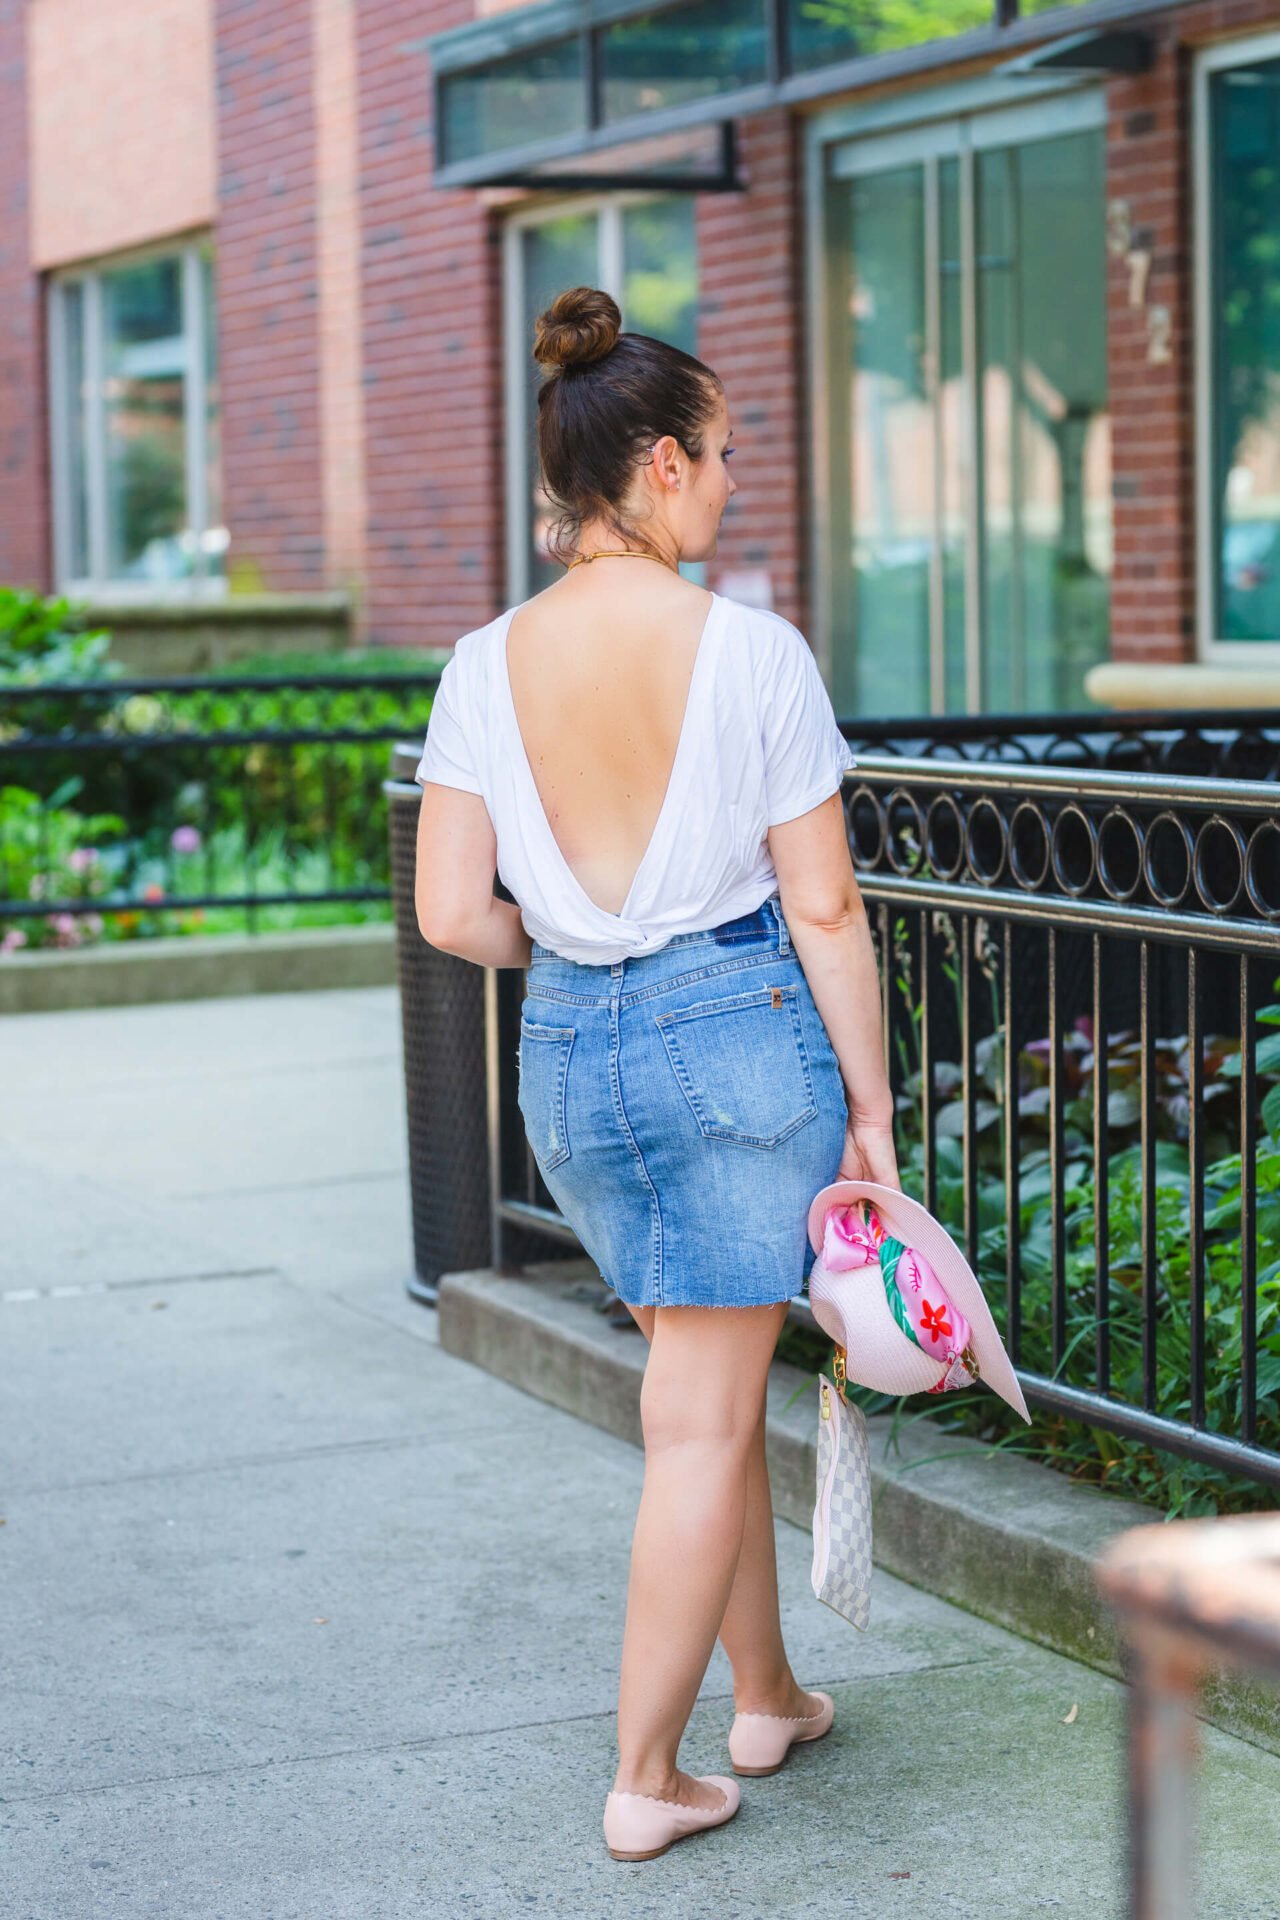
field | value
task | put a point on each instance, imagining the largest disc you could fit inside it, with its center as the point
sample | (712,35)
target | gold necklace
(617,553)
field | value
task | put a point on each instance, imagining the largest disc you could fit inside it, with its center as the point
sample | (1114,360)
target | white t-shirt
(759,745)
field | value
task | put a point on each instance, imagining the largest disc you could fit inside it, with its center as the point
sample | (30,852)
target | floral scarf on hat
(854,1236)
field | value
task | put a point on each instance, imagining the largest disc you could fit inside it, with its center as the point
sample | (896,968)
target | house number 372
(1120,244)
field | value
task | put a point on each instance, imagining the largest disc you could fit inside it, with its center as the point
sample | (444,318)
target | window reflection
(1245,317)
(687,53)
(820,32)
(144,385)
(531,96)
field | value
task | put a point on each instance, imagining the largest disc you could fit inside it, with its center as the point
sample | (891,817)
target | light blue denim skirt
(684,1108)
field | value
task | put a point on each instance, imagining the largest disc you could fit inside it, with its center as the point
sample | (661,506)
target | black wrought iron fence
(1241,744)
(1081,971)
(176,802)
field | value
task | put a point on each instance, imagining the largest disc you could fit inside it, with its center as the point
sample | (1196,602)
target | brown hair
(607,397)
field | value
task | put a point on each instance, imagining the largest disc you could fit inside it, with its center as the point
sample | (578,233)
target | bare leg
(699,1404)
(751,1629)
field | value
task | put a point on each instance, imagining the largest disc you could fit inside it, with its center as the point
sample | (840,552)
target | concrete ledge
(1122,683)
(1004,1537)
(208,631)
(194,967)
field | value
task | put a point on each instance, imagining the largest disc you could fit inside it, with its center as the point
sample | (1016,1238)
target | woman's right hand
(869,1154)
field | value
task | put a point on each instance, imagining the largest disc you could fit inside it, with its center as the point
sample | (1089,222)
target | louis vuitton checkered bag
(841,1573)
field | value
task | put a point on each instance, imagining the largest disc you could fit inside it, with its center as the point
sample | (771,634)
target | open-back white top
(758,745)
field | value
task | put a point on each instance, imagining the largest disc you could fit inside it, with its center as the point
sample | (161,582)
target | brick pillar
(431,285)
(268,332)
(338,213)
(751,330)
(1150,366)
(24,480)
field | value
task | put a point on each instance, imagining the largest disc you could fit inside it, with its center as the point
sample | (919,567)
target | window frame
(1208,62)
(98,583)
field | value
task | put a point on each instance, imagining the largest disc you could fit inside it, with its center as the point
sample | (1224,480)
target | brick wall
(1149,162)
(751,331)
(432,353)
(267,294)
(121,107)
(24,487)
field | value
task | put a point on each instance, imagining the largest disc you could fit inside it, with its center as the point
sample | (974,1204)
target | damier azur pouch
(841,1572)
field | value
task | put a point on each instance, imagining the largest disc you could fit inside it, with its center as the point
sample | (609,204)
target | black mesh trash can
(442,1013)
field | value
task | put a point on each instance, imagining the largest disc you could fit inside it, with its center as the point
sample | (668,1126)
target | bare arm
(457,858)
(825,912)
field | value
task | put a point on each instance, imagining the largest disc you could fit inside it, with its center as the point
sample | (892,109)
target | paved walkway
(304,1619)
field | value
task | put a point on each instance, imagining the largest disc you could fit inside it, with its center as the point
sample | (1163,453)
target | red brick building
(994,295)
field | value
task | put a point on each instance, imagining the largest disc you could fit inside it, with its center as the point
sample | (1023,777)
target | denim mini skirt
(683,1108)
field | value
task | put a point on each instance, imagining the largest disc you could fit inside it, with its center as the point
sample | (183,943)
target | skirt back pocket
(543,1065)
(742,1065)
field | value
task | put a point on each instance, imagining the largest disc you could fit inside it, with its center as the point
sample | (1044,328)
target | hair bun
(579,326)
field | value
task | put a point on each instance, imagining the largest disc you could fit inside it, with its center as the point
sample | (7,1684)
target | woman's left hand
(869,1154)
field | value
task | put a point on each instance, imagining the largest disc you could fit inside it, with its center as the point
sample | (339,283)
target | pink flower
(92,923)
(15,938)
(65,928)
(80,859)
(185,839)
(933,1320)
(153,892)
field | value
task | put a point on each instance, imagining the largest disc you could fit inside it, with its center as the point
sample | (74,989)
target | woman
(653,771)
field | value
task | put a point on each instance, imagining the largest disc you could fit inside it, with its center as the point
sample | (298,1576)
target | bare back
(600,672)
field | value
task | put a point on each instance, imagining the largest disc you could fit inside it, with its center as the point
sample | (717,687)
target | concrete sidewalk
(305,1619)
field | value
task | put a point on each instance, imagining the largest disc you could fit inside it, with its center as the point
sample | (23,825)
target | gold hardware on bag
(777,996)
(839,1371)
(826,1402)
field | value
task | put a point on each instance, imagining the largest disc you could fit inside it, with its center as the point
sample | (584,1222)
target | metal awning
(574,92)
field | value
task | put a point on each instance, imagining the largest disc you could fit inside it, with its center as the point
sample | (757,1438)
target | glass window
(555,254)
(652,245)
(144,389)
(530,96)
(660,270)
(135,412)
(1244,351)
(819,32)
(75,433)
(969,483)
(686,53)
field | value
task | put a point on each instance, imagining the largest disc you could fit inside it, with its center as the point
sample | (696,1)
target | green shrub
(44,640)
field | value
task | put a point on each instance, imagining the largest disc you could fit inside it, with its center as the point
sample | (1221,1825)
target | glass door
(968,463)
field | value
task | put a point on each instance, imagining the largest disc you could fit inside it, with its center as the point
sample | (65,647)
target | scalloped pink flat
(639,1827)
(760,1742)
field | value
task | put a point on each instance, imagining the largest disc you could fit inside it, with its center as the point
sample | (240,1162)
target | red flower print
(932,1317)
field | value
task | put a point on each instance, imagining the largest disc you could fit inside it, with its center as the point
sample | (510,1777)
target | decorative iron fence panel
(167,797)
(1081,973)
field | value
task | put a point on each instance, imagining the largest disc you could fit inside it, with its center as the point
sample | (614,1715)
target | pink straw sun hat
(891,1287)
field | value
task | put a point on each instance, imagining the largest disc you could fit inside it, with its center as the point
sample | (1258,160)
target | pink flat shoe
(760,1742)
(639,1827)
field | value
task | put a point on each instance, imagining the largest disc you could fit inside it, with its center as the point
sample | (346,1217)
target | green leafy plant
(43,640)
